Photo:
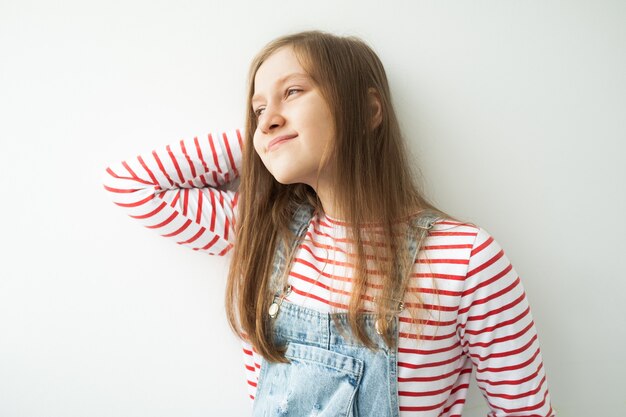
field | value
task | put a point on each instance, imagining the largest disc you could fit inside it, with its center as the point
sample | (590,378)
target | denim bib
(330,374)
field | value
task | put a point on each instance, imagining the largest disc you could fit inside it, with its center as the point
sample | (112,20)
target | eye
(288,92)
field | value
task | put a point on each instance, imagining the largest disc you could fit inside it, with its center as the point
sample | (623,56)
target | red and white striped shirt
(479,319)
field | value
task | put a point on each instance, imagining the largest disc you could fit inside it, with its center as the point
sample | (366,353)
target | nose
(270,119)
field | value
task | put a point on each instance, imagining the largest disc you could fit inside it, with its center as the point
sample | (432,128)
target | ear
(376,108)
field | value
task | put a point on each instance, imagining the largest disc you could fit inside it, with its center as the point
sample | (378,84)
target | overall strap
(421,226)
(298,226)
(417,231)
(426,219)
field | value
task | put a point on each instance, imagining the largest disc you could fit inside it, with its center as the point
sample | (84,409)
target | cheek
(324,121)
(260,152)
(257,145)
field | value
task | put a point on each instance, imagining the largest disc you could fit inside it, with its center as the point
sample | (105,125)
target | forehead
(278,68)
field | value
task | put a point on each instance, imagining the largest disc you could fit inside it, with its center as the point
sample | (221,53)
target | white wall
(515,110)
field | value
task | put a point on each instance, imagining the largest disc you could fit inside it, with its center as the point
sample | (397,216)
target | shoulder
(450,231)
(482,255)
(471,241)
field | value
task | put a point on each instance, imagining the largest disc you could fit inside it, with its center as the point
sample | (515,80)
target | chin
(285,178)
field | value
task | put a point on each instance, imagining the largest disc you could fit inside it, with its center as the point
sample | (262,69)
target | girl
(352,294)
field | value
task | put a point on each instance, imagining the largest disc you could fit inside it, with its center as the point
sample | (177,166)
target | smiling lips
(277,141)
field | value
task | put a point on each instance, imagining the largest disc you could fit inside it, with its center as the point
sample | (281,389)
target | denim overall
(329,375)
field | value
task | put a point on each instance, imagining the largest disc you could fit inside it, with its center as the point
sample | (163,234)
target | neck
(325,195)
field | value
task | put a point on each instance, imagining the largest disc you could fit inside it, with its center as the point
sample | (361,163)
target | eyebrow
(284,79)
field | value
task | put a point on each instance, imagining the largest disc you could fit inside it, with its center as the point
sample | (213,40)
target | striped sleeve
(252,364)
(498,333)
(180,190)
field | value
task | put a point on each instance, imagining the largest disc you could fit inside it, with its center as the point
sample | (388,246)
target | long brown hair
(374,182)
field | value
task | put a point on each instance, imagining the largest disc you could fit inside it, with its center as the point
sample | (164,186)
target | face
(287,102)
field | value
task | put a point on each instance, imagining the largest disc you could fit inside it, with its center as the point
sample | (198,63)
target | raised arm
(499,335)
(181,190)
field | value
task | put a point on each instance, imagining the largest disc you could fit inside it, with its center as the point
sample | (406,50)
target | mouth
(279,140)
